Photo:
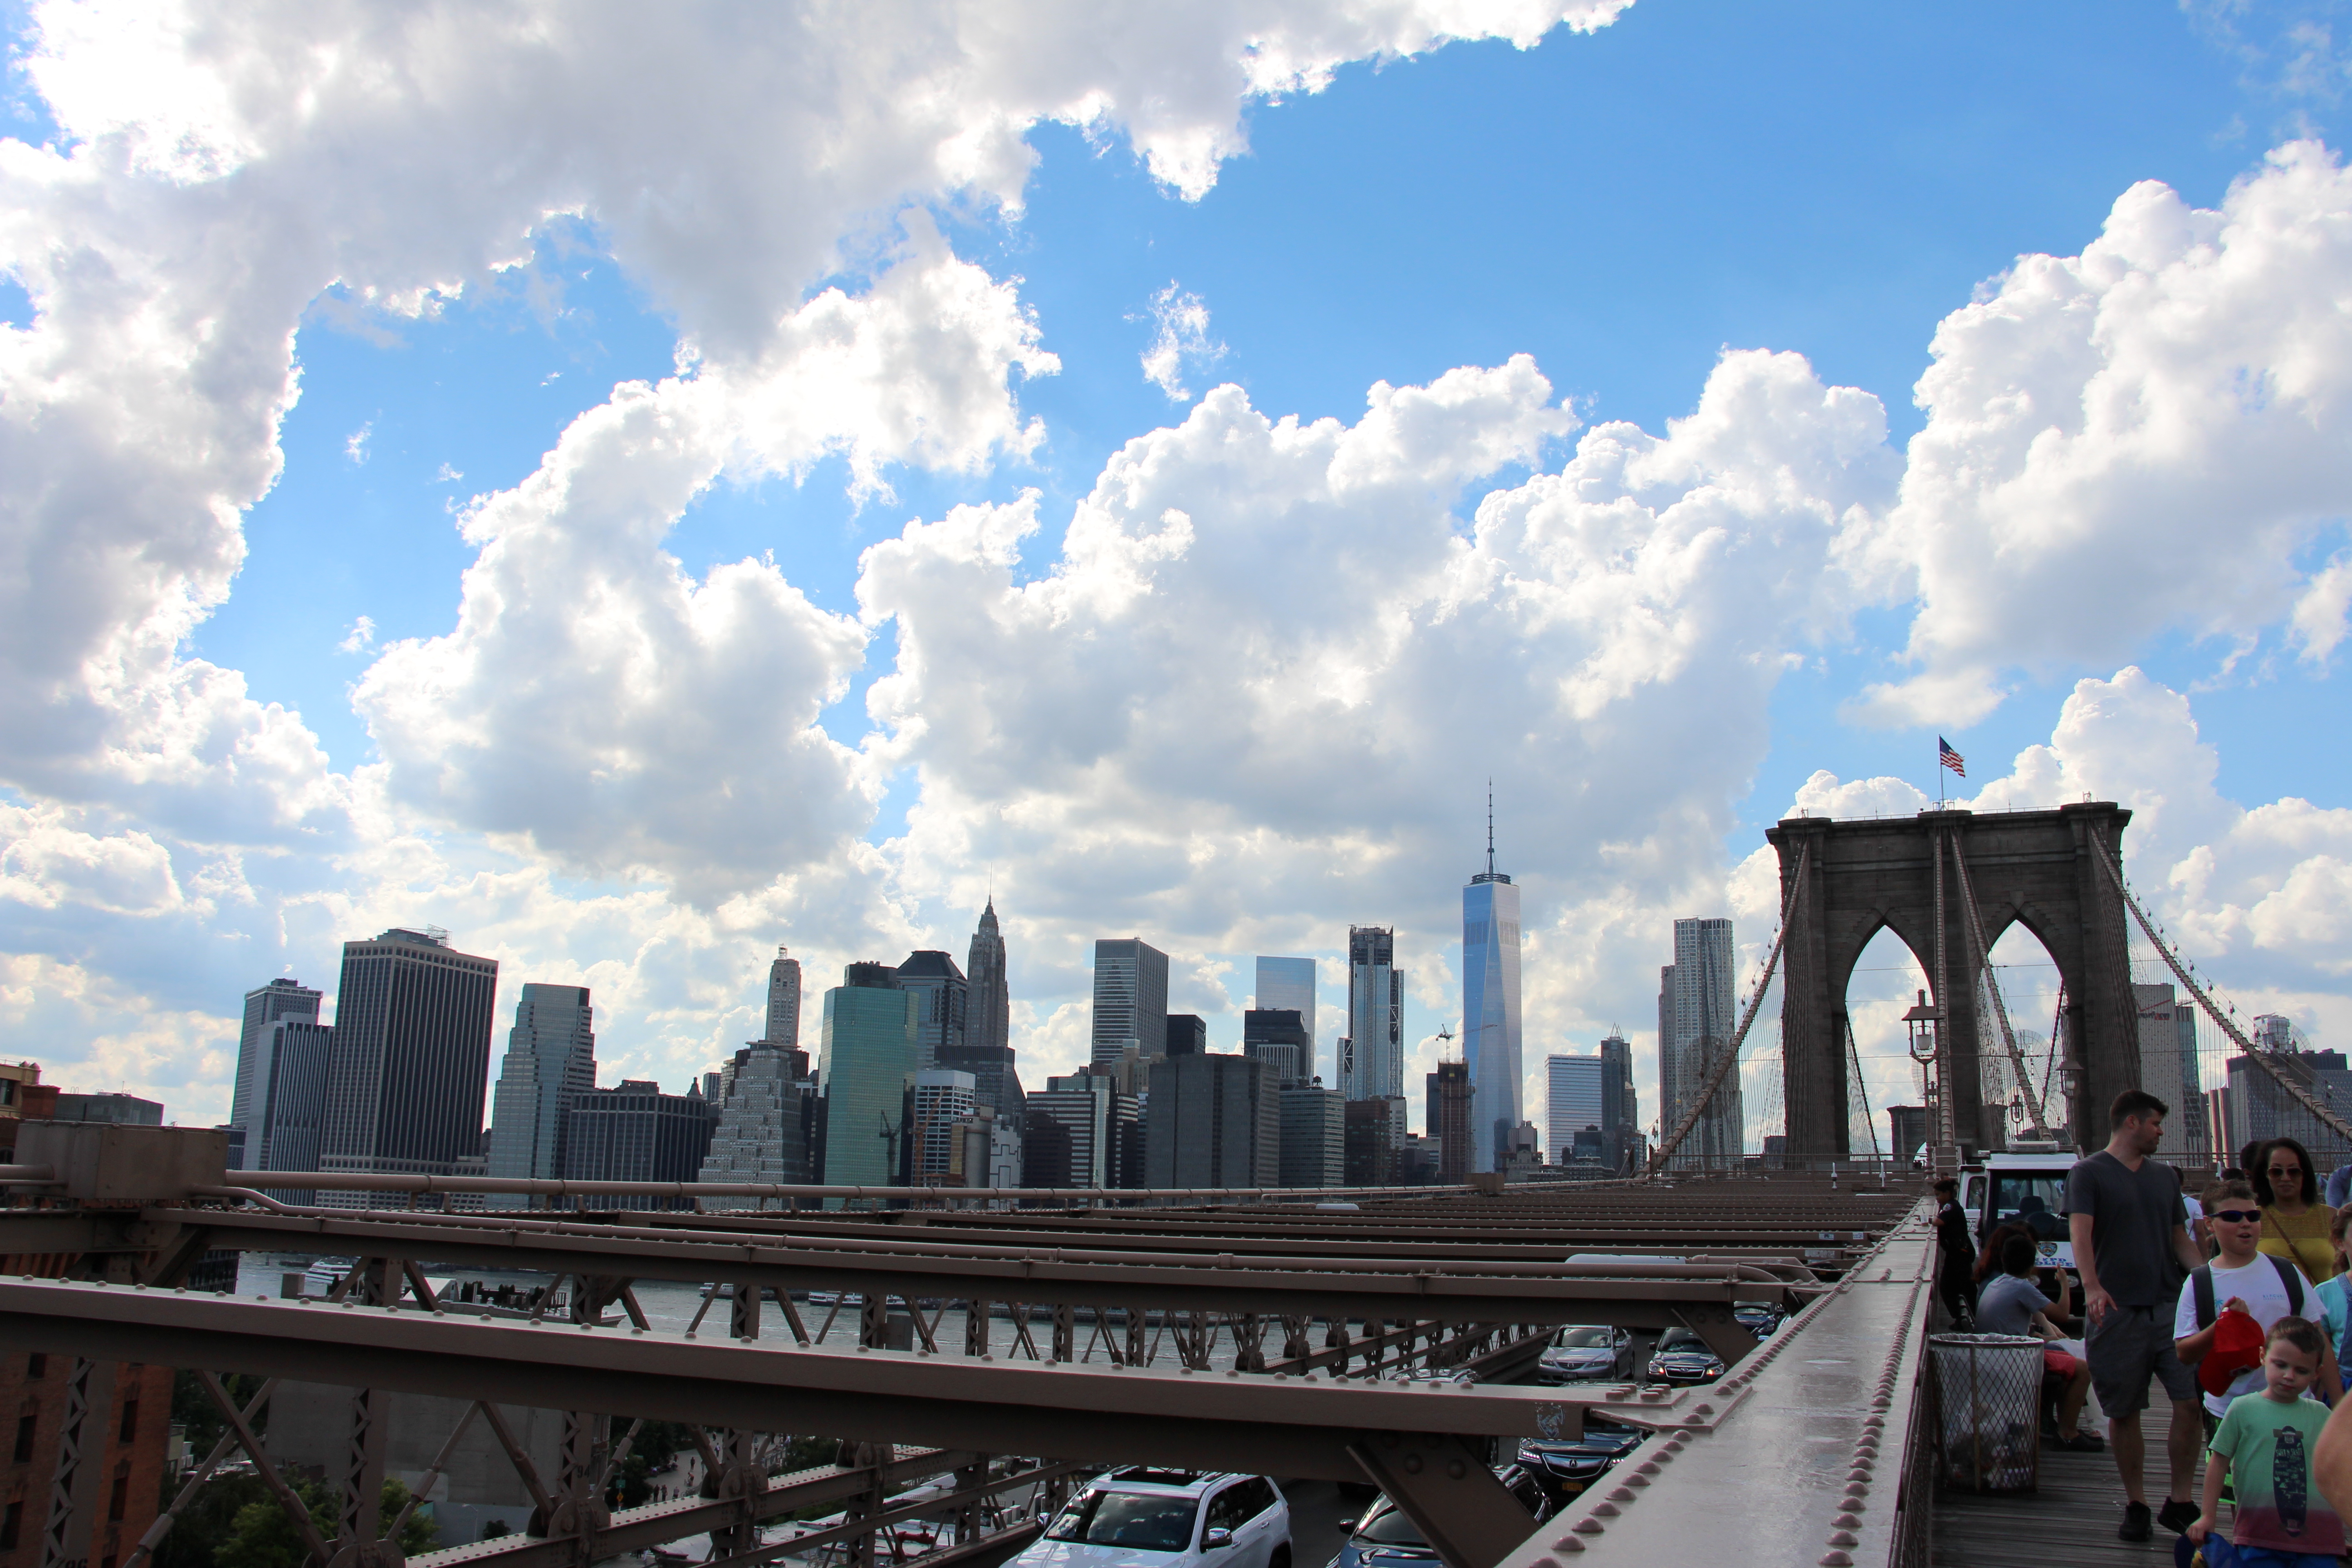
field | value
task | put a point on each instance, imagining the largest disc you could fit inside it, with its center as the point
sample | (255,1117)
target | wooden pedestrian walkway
(2069,1520)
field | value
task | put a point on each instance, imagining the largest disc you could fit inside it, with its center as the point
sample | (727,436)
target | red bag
(2237,1347)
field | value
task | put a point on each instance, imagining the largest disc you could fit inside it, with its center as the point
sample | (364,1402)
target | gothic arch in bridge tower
(2034,868)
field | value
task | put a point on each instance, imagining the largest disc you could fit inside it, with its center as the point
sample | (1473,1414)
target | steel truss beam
(655,1524)
(1640,1295)
(1286,1426)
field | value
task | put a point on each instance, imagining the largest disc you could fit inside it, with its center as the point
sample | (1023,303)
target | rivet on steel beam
(1605,1509)
(1846,1522)
(1568,1543)
(1845,1538)
(1588,1526)
(1620,1494)
(1647,1468)
(1859,1473)
(1455,1469)
(1413,1464)
(1836,1559)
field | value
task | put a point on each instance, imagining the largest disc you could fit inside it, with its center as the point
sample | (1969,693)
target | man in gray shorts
(2132,1248)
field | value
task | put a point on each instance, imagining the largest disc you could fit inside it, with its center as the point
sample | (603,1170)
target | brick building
(118,1487)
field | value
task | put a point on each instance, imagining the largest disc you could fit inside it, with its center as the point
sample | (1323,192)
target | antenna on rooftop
(1490,829)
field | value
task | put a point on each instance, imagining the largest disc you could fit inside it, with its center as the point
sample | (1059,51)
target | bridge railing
(1814,1450)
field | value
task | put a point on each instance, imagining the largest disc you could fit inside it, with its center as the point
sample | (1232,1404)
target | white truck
(2028,1188)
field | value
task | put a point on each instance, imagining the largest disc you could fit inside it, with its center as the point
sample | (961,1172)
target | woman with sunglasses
(2295,1222)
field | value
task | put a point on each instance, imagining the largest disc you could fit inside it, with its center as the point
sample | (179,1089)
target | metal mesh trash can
(1987,1394)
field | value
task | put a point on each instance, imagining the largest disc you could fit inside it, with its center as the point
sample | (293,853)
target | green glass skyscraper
(870,1045)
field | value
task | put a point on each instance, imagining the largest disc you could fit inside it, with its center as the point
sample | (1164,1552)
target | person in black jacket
(1955,1267)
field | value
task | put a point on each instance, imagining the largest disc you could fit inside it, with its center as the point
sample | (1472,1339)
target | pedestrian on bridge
(2131,1250)
(2241,1278)
(2266,1446)
(2013,1303)
(1956,1256)
(2294,1220)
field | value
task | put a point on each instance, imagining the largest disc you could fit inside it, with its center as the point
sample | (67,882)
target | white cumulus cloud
(1258,693)
(1179,336)
(2137,439)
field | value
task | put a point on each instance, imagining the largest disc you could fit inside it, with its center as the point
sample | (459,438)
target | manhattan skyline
(608,524)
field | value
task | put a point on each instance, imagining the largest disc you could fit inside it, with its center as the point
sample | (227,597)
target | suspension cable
(2296,1091)
(1983,950)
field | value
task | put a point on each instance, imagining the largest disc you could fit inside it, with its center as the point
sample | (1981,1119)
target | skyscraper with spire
(989,1022)
(1490,1003)
(985,1050)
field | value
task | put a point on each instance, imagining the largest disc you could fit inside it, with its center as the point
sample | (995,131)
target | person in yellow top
(2295,1222)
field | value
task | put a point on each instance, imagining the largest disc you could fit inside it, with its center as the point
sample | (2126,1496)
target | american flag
(1950,758)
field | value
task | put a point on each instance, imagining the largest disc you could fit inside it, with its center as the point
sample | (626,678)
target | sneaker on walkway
(2176,1516)
(2135,1526)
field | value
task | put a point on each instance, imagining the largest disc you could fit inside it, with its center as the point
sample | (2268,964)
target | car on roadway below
(1567,1467)
(1142,1516)
(1386,1538)
(1683,1359)
(1586,1351)
(1758,1318)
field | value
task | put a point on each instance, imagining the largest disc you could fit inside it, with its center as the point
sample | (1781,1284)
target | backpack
(2201,1283)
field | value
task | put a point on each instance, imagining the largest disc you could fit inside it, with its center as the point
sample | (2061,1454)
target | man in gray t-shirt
(2008,1304)
(2132,1248)
(2011,1303)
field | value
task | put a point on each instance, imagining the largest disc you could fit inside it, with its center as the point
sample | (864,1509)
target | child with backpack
(2264,1448)
(2226,1306)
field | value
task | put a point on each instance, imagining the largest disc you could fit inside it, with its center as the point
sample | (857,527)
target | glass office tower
(1371,1064)
(870,1048)
(1490,1007)
(1130,1000)
(1288,983)
(550,1061)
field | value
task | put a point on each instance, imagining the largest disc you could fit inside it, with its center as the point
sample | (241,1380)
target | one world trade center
(1490,1006)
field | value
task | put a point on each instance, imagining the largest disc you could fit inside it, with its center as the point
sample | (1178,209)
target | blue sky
(1831,180)
(1623,205)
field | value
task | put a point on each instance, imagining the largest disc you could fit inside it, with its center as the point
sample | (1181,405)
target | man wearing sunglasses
(2132,1248)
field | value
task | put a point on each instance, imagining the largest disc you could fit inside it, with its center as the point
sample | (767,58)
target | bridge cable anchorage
(2296,1091)
(1730,1057)
(1983,951)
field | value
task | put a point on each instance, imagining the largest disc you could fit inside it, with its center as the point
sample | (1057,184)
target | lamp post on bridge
(1924,1025)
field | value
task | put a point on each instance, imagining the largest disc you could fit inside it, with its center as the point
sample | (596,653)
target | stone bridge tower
(2037,866)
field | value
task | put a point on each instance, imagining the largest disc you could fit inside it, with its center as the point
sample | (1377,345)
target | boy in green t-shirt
(2265,1445)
